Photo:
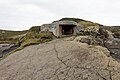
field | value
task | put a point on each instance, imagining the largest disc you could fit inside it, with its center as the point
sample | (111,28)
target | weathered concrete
(57,27)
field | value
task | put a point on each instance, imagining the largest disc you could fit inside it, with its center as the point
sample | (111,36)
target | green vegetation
(35,29)
(34,35)
(88,23)
(8,33)
(32,38)
(7,36)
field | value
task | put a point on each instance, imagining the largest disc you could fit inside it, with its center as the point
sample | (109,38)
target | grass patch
(7,36)
(92,46)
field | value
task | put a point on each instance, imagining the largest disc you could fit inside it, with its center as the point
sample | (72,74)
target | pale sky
(22,14)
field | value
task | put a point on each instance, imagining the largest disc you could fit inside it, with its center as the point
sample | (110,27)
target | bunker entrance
(67,29)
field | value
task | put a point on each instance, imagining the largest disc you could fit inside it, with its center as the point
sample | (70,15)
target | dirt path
(60,60)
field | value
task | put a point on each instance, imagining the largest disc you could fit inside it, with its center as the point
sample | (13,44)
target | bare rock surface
(60,59)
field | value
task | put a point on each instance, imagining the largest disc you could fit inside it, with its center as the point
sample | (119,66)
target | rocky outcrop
(117,34)
(111,43)
(60,60)
(105,39)
(114,29)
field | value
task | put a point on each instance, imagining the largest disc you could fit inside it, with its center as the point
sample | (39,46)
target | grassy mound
(85,23)
(33,37)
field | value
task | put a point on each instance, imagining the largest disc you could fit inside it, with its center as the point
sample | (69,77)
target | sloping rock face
(60,60)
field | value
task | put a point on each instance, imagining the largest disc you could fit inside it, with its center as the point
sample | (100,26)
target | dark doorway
(67,29)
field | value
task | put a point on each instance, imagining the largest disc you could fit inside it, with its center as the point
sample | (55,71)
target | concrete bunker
(67,29)
(62,28)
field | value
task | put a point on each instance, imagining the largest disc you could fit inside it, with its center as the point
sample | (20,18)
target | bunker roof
(65,22)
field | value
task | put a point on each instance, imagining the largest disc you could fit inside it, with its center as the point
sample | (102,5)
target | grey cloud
(22,14)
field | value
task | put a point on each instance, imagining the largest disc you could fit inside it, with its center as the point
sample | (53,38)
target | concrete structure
(61,28)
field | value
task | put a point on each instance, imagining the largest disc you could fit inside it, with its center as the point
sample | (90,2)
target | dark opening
(67,29)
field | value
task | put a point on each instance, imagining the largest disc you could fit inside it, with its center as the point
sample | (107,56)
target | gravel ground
(60,59)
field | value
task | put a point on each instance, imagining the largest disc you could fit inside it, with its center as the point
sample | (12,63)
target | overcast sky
(22,14)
